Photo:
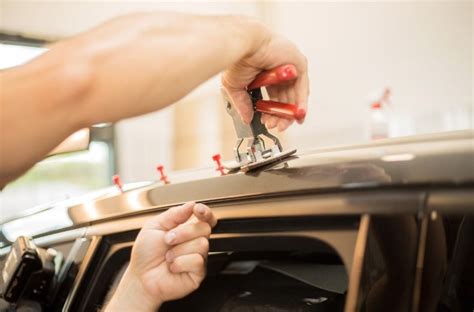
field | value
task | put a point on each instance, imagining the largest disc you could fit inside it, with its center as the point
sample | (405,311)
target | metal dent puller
(255,154)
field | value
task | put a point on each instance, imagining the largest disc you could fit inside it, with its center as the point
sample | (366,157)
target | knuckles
(175,267)
(207,229)
(189,232)
(203,244)
(199,261)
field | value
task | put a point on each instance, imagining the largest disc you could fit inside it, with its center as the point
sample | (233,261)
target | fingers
(175,216)
(271,122)
(198,245)
(288,92)
(285,93)
(291,94)
(264,118)
(190,244)
(171,218)
(234,82)
(193,263)
(242,104)
(283,124)
(186,232)
(204,214)
(302,93)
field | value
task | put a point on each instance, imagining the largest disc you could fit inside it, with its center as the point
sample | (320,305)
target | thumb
(241,100)
(171,218)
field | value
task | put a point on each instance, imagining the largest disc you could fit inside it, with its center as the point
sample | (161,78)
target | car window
(58,177)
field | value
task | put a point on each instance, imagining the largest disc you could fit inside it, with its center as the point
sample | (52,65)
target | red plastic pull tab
(283,110)
(117,182)
(163,177)
(274,76)
(217,159)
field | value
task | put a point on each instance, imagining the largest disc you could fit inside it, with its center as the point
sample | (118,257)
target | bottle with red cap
(379,116)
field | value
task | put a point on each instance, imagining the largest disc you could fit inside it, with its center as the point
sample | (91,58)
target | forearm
(130,296)
(126,67)
(37,112)
(171,54)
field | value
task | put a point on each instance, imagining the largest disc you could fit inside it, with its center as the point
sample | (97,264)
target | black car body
(384,226)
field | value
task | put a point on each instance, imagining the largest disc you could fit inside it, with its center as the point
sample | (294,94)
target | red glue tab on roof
(163,177)
(117,182)
(217,159)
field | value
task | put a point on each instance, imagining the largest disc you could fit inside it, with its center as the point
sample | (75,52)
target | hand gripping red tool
(256,154)
(280,74)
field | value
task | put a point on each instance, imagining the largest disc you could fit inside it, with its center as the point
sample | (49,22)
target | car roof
(437,159)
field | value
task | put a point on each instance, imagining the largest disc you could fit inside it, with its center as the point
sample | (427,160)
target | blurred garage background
(420,50)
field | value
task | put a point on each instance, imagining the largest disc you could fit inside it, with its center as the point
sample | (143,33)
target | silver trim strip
(420,260)
(357,265)
(53,239)
(399,202)
(61,237)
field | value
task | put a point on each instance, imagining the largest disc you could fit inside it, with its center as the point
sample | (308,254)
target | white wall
(146,141)
(62,18)
(422,50)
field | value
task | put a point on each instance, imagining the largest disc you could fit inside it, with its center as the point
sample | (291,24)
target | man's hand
(134,65)
(273,52)
(168,259)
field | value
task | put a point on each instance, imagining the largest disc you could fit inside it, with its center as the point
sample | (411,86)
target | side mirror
(78,141)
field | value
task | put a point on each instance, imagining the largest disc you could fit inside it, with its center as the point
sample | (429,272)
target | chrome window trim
(60,237)
(340,204)
(355,275)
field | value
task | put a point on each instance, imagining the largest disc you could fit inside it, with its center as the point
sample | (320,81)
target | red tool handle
(288,111)
(274,76)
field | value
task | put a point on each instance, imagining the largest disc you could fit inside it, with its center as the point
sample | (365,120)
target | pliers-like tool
(256,154)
